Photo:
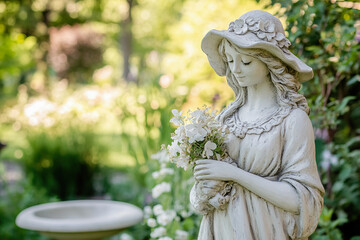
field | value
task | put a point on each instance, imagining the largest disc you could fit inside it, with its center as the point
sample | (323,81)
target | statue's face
(247,70)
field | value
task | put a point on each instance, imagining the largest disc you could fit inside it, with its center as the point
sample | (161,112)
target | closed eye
(246,63)
(230,61)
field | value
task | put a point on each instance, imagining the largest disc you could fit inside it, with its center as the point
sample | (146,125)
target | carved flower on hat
(267,30)
(238,26)
(264,30)
(282,42)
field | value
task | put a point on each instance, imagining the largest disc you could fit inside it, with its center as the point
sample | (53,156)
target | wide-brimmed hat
(259,30)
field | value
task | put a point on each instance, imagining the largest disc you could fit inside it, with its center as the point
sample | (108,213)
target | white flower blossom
(195,133)
(198,116)
(39,110)
(151,222)
(177,119)
(181,235)
(185,214)
(160,189)
(165,171)
(126,236)
(328,159)
(208,149)
(158,209)
(166,217)
(174,149)
(200,126)
(147,211)
(155,174)
(158,232)
(161,156)
(179,134)
(183,162)
(165,238)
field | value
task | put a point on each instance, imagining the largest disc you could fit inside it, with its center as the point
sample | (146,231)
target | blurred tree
(185,60)
(132,27)
(75,51)
(126,40)
(152,23)
(16,61)
(325,34)
(35,18)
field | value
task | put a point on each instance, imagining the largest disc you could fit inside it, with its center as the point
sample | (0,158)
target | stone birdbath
(80,219)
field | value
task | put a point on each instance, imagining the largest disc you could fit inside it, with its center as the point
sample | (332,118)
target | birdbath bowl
(81,219)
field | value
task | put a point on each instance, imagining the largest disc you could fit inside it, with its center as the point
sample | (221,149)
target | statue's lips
(237,76)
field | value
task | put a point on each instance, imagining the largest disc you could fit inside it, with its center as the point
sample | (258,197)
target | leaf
(342,107)
(345,173)
(338,222)
(353,80)
(338,186)
(188,224)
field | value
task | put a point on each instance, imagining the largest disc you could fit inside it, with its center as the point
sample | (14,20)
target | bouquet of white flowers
(200,136)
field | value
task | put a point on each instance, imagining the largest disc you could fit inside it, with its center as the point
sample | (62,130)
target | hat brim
(212,39)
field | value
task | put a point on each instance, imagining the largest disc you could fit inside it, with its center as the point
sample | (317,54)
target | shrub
(64,163)
(325,34)
(13,199)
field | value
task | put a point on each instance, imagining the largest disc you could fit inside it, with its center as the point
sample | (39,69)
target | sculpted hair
(284,78)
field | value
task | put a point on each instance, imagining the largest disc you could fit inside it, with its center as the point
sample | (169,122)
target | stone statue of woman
(276,191)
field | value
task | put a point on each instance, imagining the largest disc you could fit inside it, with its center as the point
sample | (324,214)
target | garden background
(87,88)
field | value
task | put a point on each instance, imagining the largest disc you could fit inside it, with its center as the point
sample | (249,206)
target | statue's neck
(261,96)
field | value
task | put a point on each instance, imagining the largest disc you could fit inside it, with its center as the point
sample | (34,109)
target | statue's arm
(297,164)
(280,194)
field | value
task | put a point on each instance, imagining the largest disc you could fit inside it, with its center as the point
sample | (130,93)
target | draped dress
(280,148)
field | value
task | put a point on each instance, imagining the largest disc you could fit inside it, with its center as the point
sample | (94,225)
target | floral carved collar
(241,128)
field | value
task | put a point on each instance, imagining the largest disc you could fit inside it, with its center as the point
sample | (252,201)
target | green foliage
(16,60)
(64,163)
(174,204)
(126,188)
(324,34)
(145,123)
(62,151)
(328,227)
(15,198)
(171,71)
(344,178)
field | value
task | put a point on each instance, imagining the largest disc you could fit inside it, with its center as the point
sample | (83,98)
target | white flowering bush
(198,136)
(60,134)
(169,215)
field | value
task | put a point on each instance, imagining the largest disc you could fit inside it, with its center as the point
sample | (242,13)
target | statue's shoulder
(298,114)
(298,120)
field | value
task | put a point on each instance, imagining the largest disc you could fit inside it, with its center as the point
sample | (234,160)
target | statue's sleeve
(199,201)
(298,168)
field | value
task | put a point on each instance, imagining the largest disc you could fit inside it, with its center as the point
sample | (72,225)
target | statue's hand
(214,170)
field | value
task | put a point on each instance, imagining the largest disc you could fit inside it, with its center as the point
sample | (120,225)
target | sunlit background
(87,88)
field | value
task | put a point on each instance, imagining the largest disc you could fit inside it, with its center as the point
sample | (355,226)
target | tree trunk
(126,46)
